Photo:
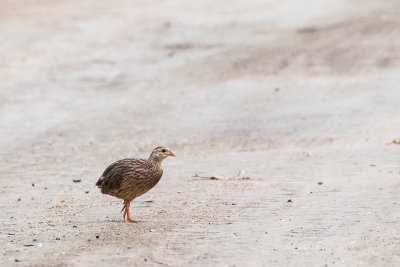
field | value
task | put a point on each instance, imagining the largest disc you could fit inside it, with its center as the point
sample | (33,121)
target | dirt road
(289,103)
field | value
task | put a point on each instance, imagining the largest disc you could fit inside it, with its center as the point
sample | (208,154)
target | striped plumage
(129,178)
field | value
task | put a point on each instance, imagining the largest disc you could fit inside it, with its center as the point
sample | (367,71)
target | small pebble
(74,226)
(320,183)
(34,240)
(76,180)
(97,236)
(145,259)
(16,260)
(57,238)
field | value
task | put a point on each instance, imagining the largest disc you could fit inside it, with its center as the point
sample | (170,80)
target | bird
(130,178)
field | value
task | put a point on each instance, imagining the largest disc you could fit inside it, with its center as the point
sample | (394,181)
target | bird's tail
(99,183)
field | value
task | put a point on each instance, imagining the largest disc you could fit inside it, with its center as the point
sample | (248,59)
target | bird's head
(161,152)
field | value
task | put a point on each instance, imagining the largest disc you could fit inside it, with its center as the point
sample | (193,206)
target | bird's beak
(171,154)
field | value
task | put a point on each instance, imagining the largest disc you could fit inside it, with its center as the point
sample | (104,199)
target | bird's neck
(156,162)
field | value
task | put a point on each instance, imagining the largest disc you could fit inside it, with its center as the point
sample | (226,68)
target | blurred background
(287,93)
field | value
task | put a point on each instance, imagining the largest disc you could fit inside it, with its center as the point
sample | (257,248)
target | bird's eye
(163,150)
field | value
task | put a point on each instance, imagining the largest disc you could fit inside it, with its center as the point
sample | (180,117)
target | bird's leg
(124,209)
(129,219)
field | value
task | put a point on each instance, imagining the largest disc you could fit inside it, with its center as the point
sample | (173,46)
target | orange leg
(127,213)
(124,210)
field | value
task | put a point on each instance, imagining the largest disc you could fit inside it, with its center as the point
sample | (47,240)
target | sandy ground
(290,103)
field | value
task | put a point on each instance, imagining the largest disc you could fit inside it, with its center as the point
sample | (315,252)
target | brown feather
(130,178)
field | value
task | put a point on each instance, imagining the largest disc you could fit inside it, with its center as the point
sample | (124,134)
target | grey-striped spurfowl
(129,178)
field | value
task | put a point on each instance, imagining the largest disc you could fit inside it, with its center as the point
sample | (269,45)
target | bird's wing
(114,175)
